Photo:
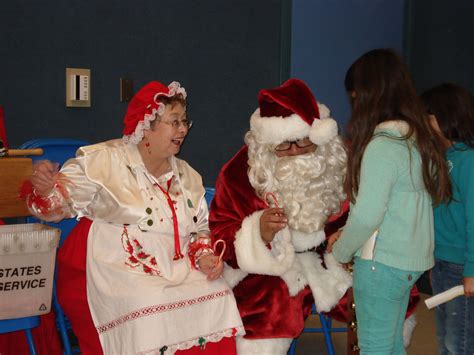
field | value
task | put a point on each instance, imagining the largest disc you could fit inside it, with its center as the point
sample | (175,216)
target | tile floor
(423,341)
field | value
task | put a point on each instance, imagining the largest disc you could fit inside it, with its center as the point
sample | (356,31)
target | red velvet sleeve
(234,200)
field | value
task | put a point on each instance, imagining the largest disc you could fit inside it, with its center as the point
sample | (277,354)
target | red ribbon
(177,246)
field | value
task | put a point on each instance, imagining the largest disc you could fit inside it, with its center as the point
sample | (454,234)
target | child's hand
(468,286)
(333,239)
(211,266)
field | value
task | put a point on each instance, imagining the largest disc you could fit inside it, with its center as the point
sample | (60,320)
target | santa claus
(273,200)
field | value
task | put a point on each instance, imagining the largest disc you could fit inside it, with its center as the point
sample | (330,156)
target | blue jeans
(454,319)
(381,295)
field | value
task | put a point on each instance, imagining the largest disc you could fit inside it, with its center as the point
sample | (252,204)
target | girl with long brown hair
(396,171)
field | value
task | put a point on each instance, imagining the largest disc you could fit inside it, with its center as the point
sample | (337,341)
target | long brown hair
(453,107)
(380,89)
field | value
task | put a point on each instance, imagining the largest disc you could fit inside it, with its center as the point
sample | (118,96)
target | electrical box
(78,87)
(126,89)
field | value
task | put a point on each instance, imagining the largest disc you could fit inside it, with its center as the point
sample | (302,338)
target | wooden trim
(13,172)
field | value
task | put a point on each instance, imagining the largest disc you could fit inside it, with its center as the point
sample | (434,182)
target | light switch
(78,87)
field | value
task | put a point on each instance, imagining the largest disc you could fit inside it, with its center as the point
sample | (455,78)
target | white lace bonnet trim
(174,89)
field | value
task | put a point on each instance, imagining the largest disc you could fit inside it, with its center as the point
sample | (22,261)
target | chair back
(209,195)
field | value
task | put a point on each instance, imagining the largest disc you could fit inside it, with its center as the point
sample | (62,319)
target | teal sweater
(454,223)
(391,198)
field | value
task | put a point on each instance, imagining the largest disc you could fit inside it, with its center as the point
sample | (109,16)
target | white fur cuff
(254,257)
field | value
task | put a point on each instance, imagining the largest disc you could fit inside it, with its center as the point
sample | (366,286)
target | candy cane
(223,249)
(275,200)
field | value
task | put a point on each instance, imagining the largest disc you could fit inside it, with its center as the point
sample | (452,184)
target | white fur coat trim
(254,257)
(233,276)
(305,241)
(274,346)
(327,285)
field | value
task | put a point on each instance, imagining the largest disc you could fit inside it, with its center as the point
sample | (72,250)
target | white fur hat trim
(323,130)
(276,130)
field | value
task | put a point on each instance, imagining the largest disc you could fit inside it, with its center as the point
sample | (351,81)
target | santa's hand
(211,266)
(44,176)
(272,221)
(333,239)
(468,286)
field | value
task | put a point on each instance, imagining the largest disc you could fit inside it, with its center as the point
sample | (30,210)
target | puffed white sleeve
(71,195)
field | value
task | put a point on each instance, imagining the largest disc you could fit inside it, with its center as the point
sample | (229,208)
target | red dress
(72,295)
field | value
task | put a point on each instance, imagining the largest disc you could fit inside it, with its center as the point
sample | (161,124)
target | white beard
(309,187)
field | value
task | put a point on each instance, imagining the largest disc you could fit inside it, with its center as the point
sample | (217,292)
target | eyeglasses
(177,123)
(300,143)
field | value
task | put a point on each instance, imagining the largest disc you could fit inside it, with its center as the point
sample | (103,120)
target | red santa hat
(290,112)
(145,107)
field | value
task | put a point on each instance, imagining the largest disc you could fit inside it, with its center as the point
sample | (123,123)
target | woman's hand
(44,177)
(211,266)
(333,239)
(272,221)
(468,286)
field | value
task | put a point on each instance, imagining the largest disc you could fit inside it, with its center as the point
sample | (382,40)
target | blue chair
(209,195)
(58,150)
(26,324)
(326,328)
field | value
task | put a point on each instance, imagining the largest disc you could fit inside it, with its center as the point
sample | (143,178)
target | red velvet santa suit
(266,308)
(274,283)
(265,304)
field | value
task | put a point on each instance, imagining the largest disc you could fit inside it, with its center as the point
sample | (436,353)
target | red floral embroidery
(137,257)
(142,255)
(133,260)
